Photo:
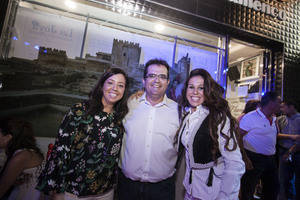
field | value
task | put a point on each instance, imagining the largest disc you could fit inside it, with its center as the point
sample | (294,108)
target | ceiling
(113,16)
(239,51)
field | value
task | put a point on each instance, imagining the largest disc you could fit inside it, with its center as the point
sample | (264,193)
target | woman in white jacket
(208,136)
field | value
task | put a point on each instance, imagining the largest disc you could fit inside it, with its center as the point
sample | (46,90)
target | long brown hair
(95,96)
(22,135)
(218,110)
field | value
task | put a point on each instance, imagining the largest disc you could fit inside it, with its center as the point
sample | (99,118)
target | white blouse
(228,172)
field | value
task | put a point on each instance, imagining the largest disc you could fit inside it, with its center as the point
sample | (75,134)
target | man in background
(259,132)
(289,154)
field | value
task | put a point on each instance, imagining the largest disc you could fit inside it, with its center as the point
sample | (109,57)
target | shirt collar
(165,101)
(199,109)
(262,114)
(258,110)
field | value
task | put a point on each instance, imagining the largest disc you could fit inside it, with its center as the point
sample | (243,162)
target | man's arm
(295,148)
(288,136)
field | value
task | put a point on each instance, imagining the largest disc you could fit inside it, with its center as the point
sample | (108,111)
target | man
(259,136)
(289,142)
(148,154)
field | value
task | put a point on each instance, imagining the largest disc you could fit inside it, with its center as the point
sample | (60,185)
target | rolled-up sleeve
(234,167)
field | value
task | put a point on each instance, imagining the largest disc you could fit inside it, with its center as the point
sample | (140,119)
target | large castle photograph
(47,72)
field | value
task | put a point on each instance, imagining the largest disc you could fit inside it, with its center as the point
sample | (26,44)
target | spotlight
(70,4)
(159,27)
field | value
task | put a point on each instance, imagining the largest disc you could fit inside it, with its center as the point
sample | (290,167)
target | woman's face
(195,91)
(113,89)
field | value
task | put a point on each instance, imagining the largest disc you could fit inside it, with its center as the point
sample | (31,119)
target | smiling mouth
(112,94)
(195,98)
(156,86)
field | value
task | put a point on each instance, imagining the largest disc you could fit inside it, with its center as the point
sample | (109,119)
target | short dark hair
(251,105)
(267,97)
(291,102)
(156,62)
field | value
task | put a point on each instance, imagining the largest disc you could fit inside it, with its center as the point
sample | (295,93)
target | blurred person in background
(19,175)
(259,132)
(250,106)
(289,154)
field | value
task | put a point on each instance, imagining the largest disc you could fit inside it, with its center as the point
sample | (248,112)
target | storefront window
(58,51)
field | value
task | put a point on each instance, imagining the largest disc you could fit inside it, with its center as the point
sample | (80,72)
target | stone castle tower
(52,56)
(125,55)
(183,65)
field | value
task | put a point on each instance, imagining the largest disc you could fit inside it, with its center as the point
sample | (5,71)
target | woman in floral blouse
(83,161)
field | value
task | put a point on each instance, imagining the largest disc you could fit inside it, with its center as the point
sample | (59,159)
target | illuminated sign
(262,7)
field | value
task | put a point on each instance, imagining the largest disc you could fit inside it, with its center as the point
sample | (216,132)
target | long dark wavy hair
(95,97)
(22,136)
(218,110)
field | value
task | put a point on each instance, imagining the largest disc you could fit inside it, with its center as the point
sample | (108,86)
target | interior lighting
(70,4)
(124,8)
(15,38)
(159,27)
(128,7)
(27,43)
(37,47)
(240,59)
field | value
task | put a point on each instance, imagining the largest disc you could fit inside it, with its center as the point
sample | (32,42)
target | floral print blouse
(84,158)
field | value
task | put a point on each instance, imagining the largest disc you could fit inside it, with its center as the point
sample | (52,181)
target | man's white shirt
(148,153)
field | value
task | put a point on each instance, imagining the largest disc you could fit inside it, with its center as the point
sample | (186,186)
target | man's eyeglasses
(160,76)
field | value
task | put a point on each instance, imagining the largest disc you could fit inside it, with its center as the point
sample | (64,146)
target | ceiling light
(70,4)
(159,27)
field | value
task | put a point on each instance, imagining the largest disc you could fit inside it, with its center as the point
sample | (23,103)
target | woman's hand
(23,178)
(56,196)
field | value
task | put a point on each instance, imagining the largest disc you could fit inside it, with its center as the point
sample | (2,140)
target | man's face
(284,108)
(156,81)
(276,105)
(287,109)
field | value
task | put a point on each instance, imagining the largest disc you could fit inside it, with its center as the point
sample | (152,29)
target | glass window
(82,39)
